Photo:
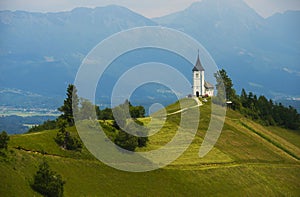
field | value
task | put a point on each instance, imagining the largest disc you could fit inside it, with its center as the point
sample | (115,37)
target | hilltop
(248,159)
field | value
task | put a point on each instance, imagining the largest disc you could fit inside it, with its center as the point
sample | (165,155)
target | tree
(131,142)
(225,90)
(141,131)
(137,111)
(4,138)
(48,182)
(105,114)
(126,141)
(87,110)
(61,134)
(70,106)
(244,98)
(65,139)
(222,76)
(120,117)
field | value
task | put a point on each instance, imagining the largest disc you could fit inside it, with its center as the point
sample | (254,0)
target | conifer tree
(70,105)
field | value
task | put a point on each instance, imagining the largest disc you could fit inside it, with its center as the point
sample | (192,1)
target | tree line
(259,108)
(83,109)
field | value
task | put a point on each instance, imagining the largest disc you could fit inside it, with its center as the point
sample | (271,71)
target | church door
(197,94)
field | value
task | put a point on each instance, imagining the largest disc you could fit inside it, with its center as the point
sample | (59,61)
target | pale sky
(148,8)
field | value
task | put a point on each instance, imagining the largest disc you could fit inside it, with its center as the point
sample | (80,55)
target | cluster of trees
(258,108)
(125,122)
(83,109)
(134,111)
(47,182)
(64,138)
(131,142)
(268,112)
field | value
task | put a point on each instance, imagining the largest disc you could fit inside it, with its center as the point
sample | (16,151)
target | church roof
(207,85)
(198,66)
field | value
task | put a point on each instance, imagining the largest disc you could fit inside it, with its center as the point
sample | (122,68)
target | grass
(246,161)
(43,142)
(289,135)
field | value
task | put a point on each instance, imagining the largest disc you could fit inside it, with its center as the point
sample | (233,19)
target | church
(201,88)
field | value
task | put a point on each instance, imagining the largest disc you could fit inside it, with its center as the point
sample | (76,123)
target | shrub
(65,139)
(131,142)
(4,138)
(48,182)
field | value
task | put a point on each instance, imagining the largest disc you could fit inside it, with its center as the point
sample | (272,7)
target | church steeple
(198,79)
(198,66)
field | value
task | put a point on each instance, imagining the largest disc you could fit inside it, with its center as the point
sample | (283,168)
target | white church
(201,88)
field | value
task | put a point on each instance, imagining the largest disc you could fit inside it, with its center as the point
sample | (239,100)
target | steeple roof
(198,66)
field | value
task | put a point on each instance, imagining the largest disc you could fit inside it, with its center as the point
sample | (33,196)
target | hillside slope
(248,160)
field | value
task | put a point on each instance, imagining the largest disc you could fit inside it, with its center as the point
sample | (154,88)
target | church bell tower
(198,79)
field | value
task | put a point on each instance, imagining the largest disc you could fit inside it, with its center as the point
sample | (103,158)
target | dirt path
(38,153)
(199,103)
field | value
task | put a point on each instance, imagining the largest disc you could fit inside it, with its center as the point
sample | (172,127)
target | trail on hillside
(39,153)
(199,103)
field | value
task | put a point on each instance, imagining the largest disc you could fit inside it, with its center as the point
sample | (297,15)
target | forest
(258,108)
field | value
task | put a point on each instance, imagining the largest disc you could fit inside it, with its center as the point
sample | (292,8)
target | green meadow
(248,160)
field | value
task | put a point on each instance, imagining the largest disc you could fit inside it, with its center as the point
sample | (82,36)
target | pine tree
(70,106)
(244,98)
(225,90)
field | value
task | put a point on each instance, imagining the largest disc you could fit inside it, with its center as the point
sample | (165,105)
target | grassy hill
(248,160)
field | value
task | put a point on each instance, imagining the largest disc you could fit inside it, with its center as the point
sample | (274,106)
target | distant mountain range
(261,55)
(41,52)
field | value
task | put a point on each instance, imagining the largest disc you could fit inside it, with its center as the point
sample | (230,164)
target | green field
(248,160)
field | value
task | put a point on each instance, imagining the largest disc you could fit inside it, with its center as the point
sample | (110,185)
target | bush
(131,142)
(126,141)
(4,138)
(48,182)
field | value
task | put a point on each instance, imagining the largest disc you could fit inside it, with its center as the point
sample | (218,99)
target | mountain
(248,160)
(261,55)
(19,99)
(41,52)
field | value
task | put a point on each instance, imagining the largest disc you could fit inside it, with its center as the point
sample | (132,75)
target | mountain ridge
(60,41)
(244,43)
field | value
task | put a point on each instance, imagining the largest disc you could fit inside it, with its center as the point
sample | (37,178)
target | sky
(148,8)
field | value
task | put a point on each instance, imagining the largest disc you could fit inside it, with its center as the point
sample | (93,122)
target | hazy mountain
(41,52)
(19,99)
(260,54)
